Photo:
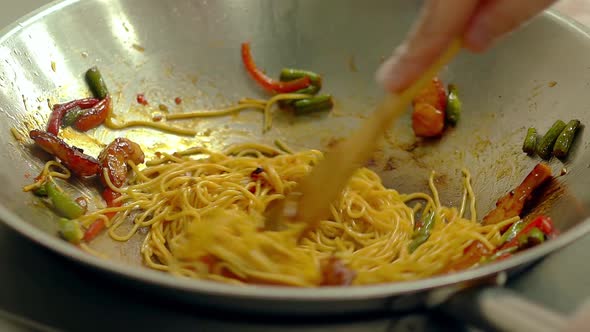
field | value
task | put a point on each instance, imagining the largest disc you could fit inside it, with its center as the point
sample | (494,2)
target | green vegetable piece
(454,106)
(423,233)
(545,146)
(530,141)
(41,191)
(512,231)
(566,139)
(63,204)
(310,90)
(314,104)
(417,242)
(499,254)
(533,237)
(96,83)
(290,74)
(72,116)
(70,230)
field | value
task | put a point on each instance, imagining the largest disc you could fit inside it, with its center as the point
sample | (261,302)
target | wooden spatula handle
(310,201)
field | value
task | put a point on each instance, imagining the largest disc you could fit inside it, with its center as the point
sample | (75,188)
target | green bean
(72,115)
(310,90)
(545,146)
(499,254)
(290,74)
(314,104)
(531,238)
(417,242)
(566,138)
(70,230)
(454,106)
(41,191)
(423,233)
(530,141)
(63,204)
(96,83)
(512,231)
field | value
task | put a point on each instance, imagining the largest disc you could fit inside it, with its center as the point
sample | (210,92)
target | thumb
(439,23)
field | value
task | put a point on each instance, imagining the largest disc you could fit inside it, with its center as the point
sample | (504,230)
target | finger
(440,21)
(495,18)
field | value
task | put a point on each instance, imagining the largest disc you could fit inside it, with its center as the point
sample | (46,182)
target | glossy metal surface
(190,48)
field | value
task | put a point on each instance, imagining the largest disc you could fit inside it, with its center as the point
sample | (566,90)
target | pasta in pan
(203,210)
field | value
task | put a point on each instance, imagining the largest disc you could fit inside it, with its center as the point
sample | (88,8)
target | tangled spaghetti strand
(203,211)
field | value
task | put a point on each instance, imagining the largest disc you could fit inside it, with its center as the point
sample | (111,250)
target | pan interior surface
(190,49)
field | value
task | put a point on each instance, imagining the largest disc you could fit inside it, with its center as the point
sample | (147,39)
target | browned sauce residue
(333,142)
(352,64)
(371,163)
(157,117)
(441,179)
(544,200)
(389,164)
(138,48)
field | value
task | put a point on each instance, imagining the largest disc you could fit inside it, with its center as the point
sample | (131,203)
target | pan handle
(500,309)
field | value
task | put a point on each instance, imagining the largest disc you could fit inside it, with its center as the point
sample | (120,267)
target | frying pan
(190,48)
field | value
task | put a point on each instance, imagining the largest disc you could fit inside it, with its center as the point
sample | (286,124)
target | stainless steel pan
(190,48)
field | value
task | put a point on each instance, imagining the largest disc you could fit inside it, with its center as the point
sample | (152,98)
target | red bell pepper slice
(477,251)
(97,226)
(110,196)
(266,82)
(95,116)
(60,109)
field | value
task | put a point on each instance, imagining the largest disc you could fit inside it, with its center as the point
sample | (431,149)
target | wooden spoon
(310,201)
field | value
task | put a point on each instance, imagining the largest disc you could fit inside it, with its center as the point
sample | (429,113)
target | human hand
(479,22)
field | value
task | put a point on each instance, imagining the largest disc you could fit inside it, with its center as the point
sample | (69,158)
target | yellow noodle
(214,113)
(17,136)
(281,145)
(463,203)
(467,180)
(243,104)
(48,173)
(203,212)
(273,100)
(149,124)
(252,101)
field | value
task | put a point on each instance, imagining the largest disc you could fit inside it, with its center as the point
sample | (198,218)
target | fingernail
(390,72)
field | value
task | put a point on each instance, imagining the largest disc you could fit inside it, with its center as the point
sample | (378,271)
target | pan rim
(276,293)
